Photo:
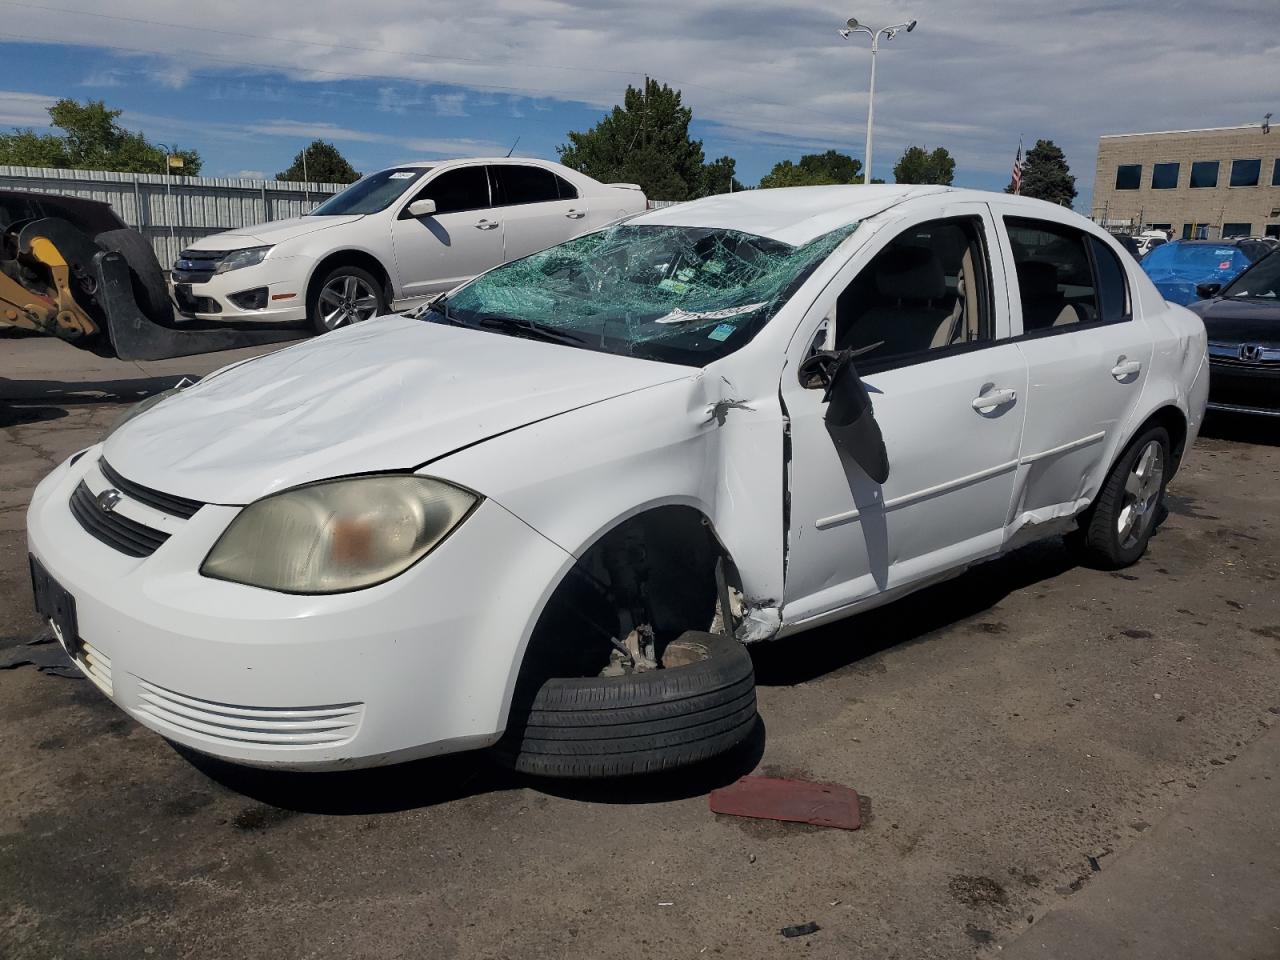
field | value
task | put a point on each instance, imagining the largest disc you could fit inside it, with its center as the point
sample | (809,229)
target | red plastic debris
(796,801)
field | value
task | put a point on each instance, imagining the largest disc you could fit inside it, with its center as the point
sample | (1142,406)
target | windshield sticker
(686,316)
(402,175)
(722,332)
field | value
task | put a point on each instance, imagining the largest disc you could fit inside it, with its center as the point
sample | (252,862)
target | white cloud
(19,109)
(972,77)
(104,78)
(425,146)
(250,174)
(450,104)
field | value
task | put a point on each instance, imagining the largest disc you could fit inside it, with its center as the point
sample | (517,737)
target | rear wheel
(150,291)
(345,296)
(1114,532)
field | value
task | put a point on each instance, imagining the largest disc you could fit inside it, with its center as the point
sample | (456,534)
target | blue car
(1179,267)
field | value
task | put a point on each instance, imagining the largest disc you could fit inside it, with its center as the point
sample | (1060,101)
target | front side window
(1245,173)
(927,290)
(516,184)
(1204,173)
(1128,176)
(466,188)
(1164,176)
(1259,282)
(1055,279)
(374,193)
(687,295)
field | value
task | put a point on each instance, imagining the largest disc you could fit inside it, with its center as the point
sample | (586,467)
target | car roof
(440,163)
(1228,242)
(796,215)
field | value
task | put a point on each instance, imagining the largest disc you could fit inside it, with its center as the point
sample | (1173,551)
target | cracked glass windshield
(686,295)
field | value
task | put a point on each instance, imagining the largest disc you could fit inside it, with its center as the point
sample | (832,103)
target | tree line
(643,140)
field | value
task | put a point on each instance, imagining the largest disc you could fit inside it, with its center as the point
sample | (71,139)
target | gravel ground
(1003,728)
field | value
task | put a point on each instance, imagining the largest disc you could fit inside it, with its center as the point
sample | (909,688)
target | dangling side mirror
(850,418)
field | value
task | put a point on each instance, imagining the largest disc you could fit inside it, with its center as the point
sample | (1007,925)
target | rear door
(539,209)
(1087,356)
(462,238)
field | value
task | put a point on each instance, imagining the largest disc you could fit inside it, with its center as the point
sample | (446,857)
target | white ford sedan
(392,239)
(548,511)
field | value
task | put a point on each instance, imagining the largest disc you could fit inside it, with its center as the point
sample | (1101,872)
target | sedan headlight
(245,257)
(338,535)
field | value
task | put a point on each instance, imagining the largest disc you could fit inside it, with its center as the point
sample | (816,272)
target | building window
(1164,176)
(1245,173)
(1275,174)
(1237,229)
(1166,227)
(1273,229)
(1204,173)
(1195,231)
(1128,176)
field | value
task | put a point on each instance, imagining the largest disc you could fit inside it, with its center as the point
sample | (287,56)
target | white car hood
(277,231)
(388,394)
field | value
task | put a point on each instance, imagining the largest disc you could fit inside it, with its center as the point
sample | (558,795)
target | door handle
(994,398)
(576,214)
(486,225)
(1125,369)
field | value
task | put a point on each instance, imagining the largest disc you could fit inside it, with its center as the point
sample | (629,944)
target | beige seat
(1043,305)
(914,312)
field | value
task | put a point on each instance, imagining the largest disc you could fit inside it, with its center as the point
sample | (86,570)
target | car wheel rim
(346,300)
(1141,494)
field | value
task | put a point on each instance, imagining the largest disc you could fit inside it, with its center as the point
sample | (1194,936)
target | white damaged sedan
(547,511)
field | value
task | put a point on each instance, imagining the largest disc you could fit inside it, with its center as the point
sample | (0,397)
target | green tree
(1046,176)
(324,164)
(918,165)
(646,140)
(814,169)
(91,139)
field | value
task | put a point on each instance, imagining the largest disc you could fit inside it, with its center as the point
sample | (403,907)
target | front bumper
(420,665)
(285,280)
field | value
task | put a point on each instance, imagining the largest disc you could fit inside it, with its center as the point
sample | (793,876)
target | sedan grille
(164,502)
(264,726)
(128,536)
(197,266)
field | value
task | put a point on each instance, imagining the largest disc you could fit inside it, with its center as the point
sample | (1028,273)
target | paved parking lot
(1055,761)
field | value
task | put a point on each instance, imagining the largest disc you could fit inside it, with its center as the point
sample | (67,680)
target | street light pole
(853,26)
(168,189)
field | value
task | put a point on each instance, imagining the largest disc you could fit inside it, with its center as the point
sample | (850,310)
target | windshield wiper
(532,329)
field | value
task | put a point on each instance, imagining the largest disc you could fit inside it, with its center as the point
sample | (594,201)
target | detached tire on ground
(1114,532)
(580,727)
(150,291)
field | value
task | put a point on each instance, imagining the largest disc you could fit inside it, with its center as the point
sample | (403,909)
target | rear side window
(1113,288)
(466,188)
(1056,285)
(515,184)
(567,190)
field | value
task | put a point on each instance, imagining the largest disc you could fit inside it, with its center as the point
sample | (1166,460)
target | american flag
(1017,169)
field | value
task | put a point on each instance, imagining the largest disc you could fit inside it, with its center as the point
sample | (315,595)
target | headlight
(241,258)
(338,535)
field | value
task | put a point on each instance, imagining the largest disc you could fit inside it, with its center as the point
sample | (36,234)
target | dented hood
(388,394)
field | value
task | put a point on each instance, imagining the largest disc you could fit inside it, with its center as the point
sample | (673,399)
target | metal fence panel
(173,212)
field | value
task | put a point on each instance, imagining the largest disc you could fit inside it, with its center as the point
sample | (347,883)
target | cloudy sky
(248,82)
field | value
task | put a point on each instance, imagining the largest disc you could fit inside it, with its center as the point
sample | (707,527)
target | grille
(263,726)
(164,502)
(97,665)
(128,536)
(196,266)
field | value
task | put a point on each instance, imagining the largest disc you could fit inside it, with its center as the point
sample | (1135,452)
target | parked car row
(1180,267)
(391,240)
(512,517)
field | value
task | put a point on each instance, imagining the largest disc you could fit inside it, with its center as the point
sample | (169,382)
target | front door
(924,303)
(462,238)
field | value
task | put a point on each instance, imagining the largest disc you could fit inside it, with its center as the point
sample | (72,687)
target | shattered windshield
(686,295)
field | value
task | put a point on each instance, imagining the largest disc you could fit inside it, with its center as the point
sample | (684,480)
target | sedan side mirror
(422,208)
(1207,291)
(850,419)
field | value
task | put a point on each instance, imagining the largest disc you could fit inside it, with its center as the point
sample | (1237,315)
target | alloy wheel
(1141,494)
(345,300)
